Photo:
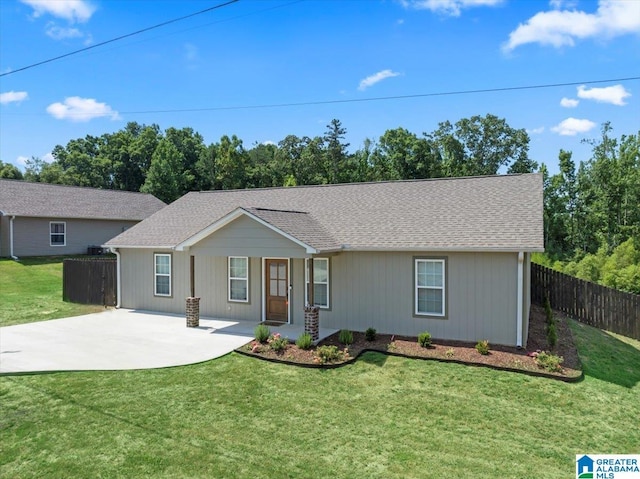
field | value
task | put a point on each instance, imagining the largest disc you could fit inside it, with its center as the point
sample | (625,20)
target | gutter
(13,257)
(118,281)
(519,309)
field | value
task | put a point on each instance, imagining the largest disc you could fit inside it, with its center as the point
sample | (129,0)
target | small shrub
(262,333)
(345,337)
(328,354)
(483,347)
(278,343)
(424,339)
(254,346)
(552,334)
(370,334)
(548,312)
(304,341)
(549,361)
(449,353)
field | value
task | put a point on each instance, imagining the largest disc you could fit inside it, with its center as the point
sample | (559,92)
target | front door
(277,290)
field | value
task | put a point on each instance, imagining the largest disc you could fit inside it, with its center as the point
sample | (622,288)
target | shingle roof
(501,213)
(302,226)
(22,198)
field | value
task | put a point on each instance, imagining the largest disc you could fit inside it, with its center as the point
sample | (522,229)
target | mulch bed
(500,357)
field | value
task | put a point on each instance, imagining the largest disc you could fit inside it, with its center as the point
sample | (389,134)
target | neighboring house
(40,219)
(451,256)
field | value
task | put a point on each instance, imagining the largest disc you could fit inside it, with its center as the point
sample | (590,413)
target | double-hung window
(162,274)
(320,282)
(430,287)
(239,279)
(57,233)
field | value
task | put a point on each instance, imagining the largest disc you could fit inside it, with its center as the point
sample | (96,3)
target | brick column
(312,321)
(193,312)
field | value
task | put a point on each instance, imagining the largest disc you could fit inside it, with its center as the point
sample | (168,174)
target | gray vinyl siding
(246,237)
(4,236)
(376,290)
(31,235)
(367,290)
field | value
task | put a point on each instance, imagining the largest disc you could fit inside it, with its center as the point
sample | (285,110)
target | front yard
(379,417)
(31,290)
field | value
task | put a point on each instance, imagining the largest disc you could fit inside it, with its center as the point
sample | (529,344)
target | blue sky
(264,52)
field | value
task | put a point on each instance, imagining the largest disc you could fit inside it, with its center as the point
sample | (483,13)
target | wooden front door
(277,290)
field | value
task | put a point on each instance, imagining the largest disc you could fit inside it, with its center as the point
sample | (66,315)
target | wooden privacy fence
(589,303)
(89,281)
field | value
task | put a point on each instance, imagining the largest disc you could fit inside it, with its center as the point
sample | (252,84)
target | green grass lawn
(382,417)
(31,290)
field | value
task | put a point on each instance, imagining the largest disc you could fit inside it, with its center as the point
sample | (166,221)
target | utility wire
(382,98)
(168,22)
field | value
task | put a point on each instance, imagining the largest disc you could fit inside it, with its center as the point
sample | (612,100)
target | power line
(382,98)
(168,22)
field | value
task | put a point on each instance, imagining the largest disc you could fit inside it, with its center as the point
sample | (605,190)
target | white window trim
(442,288)
(156,274)
(306,282)
(229,278)
(64,235)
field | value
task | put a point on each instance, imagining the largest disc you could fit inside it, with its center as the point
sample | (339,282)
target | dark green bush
(345,337)
(552,334)
(424,339)
(370,334)
(548,312)
(262,333)
(483,347)
(304,341)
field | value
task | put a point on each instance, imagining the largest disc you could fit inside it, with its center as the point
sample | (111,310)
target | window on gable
(320,282)
(162,274)
(239,279)
(57,233)
(430,287)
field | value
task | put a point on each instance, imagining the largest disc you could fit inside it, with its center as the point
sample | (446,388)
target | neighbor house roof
(22,198)
(491,213)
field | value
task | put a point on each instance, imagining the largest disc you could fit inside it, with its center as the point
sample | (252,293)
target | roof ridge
(360,183)
(257,208)
(56,185)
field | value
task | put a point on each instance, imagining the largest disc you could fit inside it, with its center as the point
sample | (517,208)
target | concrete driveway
(115,340)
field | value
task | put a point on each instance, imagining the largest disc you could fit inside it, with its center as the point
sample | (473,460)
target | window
(430,287)
(57,233)
(320,282)
(162,273)
(239,279)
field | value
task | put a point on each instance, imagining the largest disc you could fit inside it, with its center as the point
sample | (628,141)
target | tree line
(170,163)
(591,210)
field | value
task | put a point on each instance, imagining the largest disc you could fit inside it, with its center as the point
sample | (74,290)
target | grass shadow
(606,356)
(374,358)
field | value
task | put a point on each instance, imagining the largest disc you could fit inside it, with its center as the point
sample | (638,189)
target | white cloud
(13,97)
(560,28)
(22,160)
(71,10)
(60,33)
(48,157)
(269,142)
(448,7)
(75,108)
(375,78)
(536,131)
(573,126)
(610,94)
(558,4)
(569,102)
